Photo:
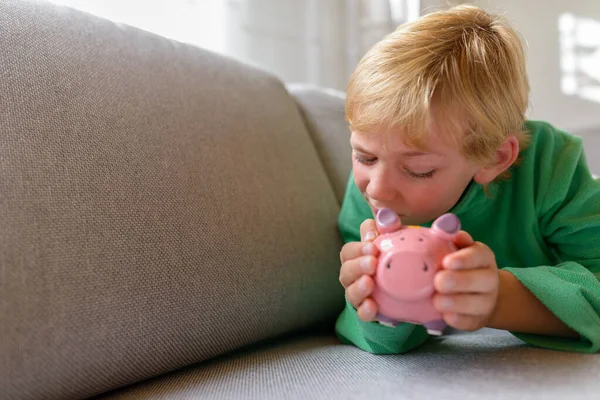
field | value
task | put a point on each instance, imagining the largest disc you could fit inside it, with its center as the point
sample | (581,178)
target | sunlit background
(580,56)
(320,41)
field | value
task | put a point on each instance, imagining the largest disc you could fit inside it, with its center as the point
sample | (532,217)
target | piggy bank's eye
(425,267)
(389,265)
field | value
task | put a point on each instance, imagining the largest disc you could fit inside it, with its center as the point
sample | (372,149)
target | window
(580,56)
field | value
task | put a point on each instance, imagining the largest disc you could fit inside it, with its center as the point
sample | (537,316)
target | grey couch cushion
(591,145)
(159,205)
(323,113)
(488,364)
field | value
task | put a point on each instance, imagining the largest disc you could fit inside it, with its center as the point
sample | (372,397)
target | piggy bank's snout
(406,275)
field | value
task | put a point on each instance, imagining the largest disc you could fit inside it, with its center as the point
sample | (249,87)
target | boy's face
(418,185)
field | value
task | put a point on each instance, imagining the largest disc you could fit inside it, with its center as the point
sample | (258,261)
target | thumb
(463,239)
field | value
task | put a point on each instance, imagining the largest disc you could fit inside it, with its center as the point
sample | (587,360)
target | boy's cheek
(360,180)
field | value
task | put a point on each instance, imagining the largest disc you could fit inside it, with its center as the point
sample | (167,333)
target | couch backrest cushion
(323,112)
(159,205)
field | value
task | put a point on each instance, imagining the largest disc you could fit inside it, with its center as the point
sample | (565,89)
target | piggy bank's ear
(446,226)
(387,220)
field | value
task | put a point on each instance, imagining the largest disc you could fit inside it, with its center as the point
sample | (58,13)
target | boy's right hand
(359,260)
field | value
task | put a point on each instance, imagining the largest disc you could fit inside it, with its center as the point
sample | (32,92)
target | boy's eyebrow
(410,153)
(358,147)
(416,153)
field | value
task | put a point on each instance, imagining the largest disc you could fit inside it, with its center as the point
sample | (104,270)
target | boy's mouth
(375,210)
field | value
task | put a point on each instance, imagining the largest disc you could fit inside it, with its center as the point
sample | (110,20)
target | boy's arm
(569,215)
(518,309)
(350,329)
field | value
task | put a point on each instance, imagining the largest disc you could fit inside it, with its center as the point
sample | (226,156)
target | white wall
(294,39)
(314,41)
(199,22)
(538,21)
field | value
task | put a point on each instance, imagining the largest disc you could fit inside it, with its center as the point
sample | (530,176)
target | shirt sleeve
(376,338)
(569,218)
(350,329)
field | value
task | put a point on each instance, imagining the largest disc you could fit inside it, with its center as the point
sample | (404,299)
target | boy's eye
(420,175)
(364,160)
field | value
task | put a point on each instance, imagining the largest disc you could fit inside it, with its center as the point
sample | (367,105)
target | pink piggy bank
(409,258)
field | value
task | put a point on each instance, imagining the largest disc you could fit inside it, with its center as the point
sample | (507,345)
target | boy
(437,114)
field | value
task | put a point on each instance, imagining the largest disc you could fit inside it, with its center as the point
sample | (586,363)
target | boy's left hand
(467,285)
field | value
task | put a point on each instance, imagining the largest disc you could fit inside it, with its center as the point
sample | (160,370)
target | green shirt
(543,225)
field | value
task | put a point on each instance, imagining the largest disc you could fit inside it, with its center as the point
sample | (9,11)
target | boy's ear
(505,156)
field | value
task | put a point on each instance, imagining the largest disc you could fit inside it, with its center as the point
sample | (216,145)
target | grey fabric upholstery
(487,364)
(591,145)
(159,206)
(323,112)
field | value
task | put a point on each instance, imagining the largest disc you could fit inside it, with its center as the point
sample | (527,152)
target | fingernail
(447,303)
(365,264)
(454,264)
(367,249)
(367,308)
(449,283)
(369,235)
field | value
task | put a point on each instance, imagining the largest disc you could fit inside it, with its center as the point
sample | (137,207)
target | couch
(168,231)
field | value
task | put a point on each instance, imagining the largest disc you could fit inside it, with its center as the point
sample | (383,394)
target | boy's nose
(381,190)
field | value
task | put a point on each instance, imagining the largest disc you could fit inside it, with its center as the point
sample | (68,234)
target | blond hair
(472,61)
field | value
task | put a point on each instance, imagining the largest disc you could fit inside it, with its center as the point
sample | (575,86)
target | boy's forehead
(442,133)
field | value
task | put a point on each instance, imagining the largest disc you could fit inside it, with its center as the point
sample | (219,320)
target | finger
(367,310)
(353,250)
(476,255)
(482,280)
(360,290)
(368,230)
(464,322)
(354,269)
(466,304)
(463,239)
